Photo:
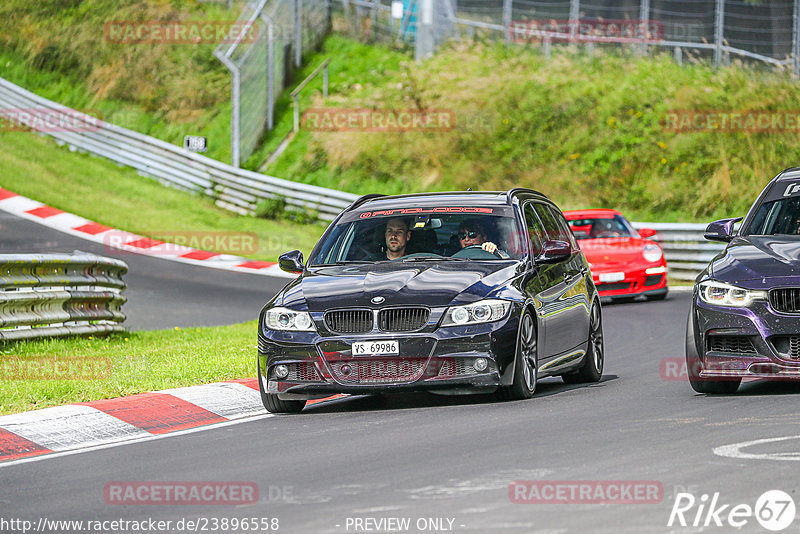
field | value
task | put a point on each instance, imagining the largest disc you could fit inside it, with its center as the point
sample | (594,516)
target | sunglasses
(472,235)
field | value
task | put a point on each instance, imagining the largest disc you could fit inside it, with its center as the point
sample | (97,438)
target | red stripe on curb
(333,397)
(256,264)
(93,228)
(144,242)
(5,193)
(199,255)
(157,413)
(13,446)
(44,212)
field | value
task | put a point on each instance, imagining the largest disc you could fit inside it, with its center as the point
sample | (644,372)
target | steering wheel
(472,249)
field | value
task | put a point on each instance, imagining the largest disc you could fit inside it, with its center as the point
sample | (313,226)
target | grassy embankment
(38,374)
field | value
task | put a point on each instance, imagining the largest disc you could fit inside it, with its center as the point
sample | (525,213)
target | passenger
(471,232)
(397,236)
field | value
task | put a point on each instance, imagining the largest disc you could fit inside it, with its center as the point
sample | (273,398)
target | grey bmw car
(745,316)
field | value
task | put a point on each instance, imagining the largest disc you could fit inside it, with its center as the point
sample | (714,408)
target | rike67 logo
(774,510)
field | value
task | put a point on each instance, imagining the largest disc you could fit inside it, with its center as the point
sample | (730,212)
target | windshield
(596,227)
(370,237)
(777,217)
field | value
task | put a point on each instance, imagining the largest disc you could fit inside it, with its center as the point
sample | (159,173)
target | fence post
(270,73)
(424,44)
(574,15)
(298,33)
(719,25)
(373,15)
(796,38)
(507,13)
(644,24)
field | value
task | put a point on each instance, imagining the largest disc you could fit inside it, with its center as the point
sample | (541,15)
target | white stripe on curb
(226,399)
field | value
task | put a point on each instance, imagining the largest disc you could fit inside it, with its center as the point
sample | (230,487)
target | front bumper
(752,342)
(440,360)
(636,282)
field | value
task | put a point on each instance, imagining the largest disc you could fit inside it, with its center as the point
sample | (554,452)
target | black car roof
(462,198)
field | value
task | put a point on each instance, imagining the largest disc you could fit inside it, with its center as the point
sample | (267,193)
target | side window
(565,233)
(549,222)
(535,230)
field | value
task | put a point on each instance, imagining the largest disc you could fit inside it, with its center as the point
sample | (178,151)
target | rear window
(366,236)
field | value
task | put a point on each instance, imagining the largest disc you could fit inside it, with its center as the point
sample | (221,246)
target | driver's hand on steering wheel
(489,247)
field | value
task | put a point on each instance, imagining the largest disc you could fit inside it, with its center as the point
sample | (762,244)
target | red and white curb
(126,242)
(90,424)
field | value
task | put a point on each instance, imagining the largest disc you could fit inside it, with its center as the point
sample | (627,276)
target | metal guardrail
(234,189)
(47,295)
(686,251)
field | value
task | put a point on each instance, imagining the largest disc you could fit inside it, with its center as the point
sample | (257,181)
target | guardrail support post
(295,98)
(719,26)
(325,82)
(678,55)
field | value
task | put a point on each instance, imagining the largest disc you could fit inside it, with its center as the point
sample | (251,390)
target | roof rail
(360,200)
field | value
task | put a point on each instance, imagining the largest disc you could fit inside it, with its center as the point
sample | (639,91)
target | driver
(471,233)
(397,235)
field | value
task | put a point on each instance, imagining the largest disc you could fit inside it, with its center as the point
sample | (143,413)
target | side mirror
(721,230)
(647,232)
(554,252)
(291,262)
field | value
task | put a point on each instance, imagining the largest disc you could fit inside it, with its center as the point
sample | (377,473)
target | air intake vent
(732,344)
(786,300)
(402,319)
(349,321)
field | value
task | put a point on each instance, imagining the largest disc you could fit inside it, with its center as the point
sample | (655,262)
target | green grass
(103,192)
(122,364)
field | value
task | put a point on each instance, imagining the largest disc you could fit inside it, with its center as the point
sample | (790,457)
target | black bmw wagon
(453,293)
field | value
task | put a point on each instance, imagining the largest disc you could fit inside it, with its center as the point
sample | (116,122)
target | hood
(753,257)
(614,251)
(430,284)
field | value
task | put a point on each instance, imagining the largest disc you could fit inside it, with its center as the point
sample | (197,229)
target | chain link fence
(757,29)
(261,60)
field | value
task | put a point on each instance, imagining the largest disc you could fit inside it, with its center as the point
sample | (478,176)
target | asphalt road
(423,456)
(161,293)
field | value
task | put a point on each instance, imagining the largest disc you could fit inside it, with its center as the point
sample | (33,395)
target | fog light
(480,364)
(281,371)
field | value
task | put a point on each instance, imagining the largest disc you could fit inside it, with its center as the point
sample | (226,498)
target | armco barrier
(234,189)
(686,251)
(45,295)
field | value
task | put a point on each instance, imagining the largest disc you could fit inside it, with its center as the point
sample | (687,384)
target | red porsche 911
(624,262)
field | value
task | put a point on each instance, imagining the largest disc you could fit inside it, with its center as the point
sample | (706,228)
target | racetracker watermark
(586,30)
(687,121)
(49,120)
(172,243)
(586,492)
(677,369)
(179,32)
(180,493)
(56,368)
(378,120)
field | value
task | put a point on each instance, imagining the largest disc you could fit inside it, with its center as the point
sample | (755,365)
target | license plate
(612,277)
(364,348)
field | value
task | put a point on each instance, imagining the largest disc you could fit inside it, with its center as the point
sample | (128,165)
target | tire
(526,362)
(275,405)
(694,366)
(591,370)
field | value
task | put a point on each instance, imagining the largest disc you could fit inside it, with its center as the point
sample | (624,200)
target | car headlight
(722,294)
(483,311)
(285,319)
(652,253)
